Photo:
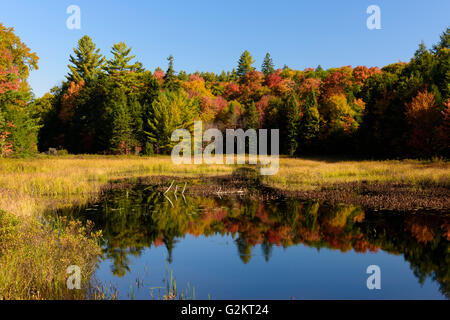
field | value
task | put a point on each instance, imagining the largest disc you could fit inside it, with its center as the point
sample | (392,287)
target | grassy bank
(30,186)
(300,174)
(34,257)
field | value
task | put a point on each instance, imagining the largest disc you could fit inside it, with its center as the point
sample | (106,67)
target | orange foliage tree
(422,115)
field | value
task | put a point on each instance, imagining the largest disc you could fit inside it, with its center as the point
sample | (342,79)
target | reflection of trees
(244,250)
(428,256)
(138,218)
(266,248)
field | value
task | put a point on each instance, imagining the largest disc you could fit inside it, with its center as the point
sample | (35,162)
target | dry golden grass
(34,257)
(300,174)
(29,186)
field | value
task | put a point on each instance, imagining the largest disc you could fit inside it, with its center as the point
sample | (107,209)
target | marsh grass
(167,291)
(34,257)
(30,186)
(301,174)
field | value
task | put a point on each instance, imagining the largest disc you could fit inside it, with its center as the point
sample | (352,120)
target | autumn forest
(113,105)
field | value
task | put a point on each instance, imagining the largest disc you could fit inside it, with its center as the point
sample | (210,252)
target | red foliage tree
(251,84)
(337,82)
(232,91)
(361,73)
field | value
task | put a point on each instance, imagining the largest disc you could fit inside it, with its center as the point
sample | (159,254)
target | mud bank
(375,196)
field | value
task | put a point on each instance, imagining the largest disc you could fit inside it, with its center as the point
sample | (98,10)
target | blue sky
(211,35)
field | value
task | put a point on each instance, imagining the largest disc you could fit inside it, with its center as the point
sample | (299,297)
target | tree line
(116,106)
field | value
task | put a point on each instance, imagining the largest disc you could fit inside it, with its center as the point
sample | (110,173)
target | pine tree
(267,66)
(121,59)
(310,122)
(138,67)
(183,76)
(171,110)
(252,116)
(170,79)
(444,42)
(87,62)
(292,122)
(122,140)
(233,76)
(245,64)
(223,76)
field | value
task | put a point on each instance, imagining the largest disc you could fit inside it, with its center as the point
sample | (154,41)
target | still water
(236,248)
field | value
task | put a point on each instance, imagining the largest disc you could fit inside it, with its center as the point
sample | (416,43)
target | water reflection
(136,219)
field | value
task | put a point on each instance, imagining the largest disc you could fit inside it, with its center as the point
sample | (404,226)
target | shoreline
(373,196)
(28,187)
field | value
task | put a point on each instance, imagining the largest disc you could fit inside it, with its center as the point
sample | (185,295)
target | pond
(241,248)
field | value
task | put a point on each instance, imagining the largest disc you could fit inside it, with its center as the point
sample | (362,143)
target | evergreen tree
(121,59)
(170,79)
(310,121)
(320,72)
(292,115)
(267,66)
(245,64)
(444,42)
(223,76)
(87,62)
(252,116)
(183,76)
(170,111)
(233,76)
(138,67)
(122,140)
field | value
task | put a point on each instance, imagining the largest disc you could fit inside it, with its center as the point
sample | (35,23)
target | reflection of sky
(213,266)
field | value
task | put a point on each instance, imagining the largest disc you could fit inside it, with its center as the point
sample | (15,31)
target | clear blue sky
(210,35)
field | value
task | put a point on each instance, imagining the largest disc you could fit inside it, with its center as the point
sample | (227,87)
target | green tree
(87,62)
(310,121)
(183,76)
(170,111)
(444,42)
(121,59)
(292,118)
(251,116)
(170,79)
(267,66)
(245,64)
(22,128)
(122,139)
